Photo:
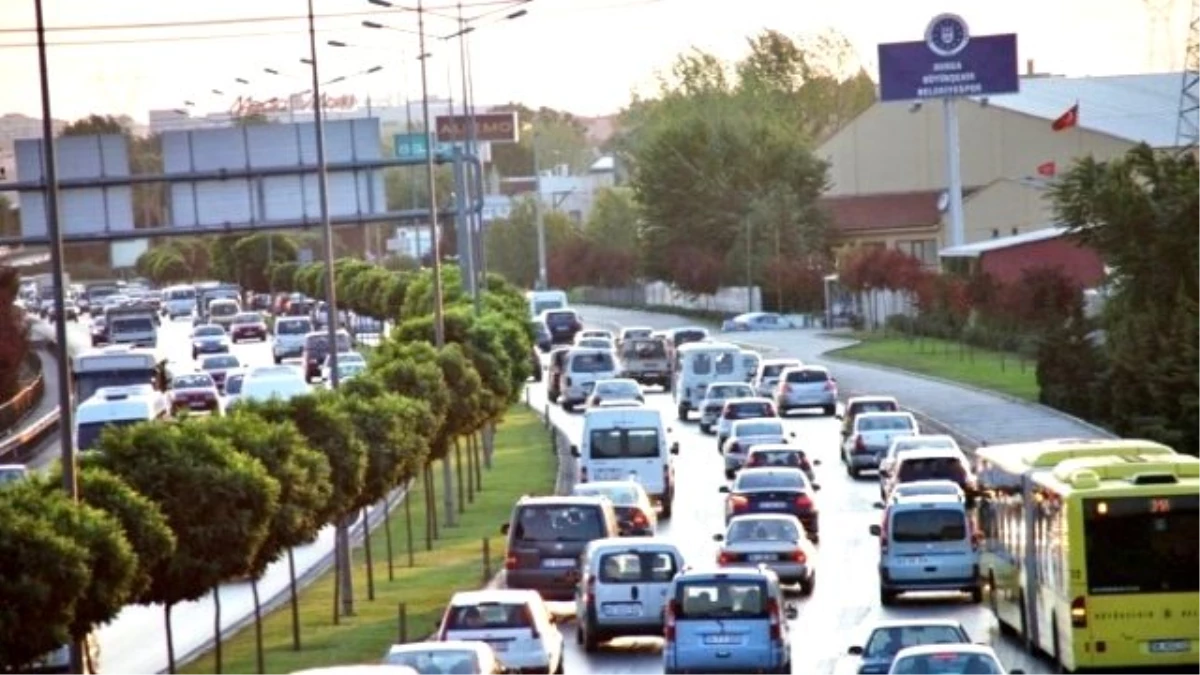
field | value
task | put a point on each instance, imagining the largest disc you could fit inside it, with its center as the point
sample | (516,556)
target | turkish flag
(1067,120)
(1047,169)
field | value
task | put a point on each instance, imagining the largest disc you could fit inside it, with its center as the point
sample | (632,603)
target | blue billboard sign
(948,63)
(415,146)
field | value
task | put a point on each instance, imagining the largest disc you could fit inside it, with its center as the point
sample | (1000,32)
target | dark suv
(563,324)
(546,537)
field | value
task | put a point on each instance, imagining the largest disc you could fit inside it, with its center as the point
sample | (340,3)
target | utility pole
(435,246)
(538,216)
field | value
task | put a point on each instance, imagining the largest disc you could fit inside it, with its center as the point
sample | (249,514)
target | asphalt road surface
(845,603)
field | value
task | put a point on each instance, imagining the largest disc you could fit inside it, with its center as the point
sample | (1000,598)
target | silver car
(776,540)
(619,389)
(806,387)
(741,409)
(714,401)
(747,433)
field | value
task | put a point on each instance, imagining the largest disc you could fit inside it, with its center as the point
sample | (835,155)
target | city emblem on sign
(947,35)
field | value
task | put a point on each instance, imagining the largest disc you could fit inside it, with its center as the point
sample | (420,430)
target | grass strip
(1003,372)
(522,465)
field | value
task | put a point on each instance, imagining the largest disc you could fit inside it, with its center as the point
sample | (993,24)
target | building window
(925,250)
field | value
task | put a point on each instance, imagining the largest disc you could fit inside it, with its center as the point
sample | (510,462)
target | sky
(584,56)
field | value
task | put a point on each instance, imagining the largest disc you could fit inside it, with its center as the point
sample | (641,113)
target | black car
(547,536)
(541,336)
(99,331)
(562,324)
(773,490)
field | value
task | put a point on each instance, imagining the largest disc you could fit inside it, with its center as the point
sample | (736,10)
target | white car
(619,389)
(952,658)
(714,401)
(429,658)
(516,623)
(282,382)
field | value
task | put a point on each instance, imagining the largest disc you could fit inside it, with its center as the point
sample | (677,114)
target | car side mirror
(791,612)
(718,537)
(855,650)
(575,451)
(875,530)
(724,489)
(504,528)
(675,448)
(816,487)
(877,505)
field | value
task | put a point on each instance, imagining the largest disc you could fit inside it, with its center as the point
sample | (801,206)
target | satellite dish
(943,202)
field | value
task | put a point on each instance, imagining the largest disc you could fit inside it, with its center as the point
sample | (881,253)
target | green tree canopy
(510,244)
(561,139)
(394,429)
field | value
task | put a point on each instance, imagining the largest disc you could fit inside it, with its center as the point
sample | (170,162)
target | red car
(248,325)
(194,391)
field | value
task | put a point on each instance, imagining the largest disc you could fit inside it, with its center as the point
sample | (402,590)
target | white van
(927,543)
(545,301)
(585,367)
(699,364)
(628,443)
(615,571)
(179,301)
(117,406)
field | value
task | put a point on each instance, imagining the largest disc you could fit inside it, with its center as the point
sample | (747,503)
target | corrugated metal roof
(1137,108)
(976,249)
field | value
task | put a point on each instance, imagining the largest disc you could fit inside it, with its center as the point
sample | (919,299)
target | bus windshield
(86,384)
(1142,544)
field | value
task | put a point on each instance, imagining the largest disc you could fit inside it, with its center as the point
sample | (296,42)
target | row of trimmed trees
(169,511)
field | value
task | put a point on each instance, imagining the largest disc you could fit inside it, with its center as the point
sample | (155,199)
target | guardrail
(21,433)
(14,410)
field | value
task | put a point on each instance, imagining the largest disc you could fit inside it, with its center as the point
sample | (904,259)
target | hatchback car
(958,659)
(194,391)
(248,326)
(563,325)
(619,389)
(777,541)
(546,537)
(624,588)
(769,455)
(768,375)
(745,433)
(742,409)
(887,638)
(451,656)
(595,343)
(871,437)
(856,405)
(517,625)
(929,464)
(806,387)
(209,339)
(903,444)
(219,366)
(733,620)
(636,516)
(774,491)
(714,400)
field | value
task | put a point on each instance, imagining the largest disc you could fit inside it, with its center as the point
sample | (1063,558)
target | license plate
(623,609)
(198,404)
(762,557)
(722,639)
(558,563)
(1170,646)
(609,474)
(916,560)
(773,505)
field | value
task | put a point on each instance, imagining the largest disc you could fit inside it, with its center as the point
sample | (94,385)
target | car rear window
(946,663)
(807,376)
(560,317)
(221,362)
(436,660)
(644,349)
(722,599)
(873,406)
(726,391)
(209,331)
(773,480)
(920,526)
(598,362)
(191,381)
(792,458)
(889,423)
(683,337)
(489,616)
(930,468)
(761,529)
(140,324)
(887,642)
(547,522)
(623,443)
(744,411)
(628,567)
(759,429)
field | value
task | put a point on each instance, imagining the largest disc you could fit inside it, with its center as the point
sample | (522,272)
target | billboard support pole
(953,172)
(538,216)
(435,246)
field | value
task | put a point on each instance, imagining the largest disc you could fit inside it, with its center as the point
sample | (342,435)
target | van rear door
(625,449)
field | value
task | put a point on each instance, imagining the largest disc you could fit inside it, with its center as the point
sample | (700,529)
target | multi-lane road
(845,602)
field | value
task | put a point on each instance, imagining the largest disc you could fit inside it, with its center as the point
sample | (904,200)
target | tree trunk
(295,602)
(170,638)
(346,577)
(470,442)
(217,651)
(430,520)
(259,659)
(337,578)
(458,474)
(408,533)
(366,516)
(477,448)
(433,505)
(448,489)
(387,537)
(489,444)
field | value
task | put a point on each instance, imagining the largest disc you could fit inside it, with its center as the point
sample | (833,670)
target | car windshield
(948,663)
(764,428)
(180,294)
(630,567)
(293,327)
(233,384)
(209,331)
(761,529)
(192,381)
(770,480)
(644,349)
(546,522)
(220,362)
(489,616)
(223,308)
(436,661)
(885,643)
(924,487)
(885,423)
(921,526)
(619,495)
(595,362)
(722,599)
(248,317)
(623,443)
(873,406)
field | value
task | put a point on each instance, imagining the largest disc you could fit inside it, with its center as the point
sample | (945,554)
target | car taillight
(1078,612)
(590,591)
(798,556)
(830,386)
(669,623)
(755,460)
(860,445)
(727,558)
(785,388)
(510,561)
(739,503)
(583,476)
(773,613)
(639,519)
(803,502)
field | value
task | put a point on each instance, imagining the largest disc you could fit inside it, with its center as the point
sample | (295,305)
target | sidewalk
(973,414)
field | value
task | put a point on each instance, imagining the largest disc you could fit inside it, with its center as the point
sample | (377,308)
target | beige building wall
(1004,208)
(890,149)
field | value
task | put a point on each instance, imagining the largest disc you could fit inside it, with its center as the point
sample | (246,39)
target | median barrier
(20,432)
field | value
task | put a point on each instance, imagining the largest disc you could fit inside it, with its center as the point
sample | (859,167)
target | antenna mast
(1186,132)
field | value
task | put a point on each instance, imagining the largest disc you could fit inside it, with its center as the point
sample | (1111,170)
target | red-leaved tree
(14,338)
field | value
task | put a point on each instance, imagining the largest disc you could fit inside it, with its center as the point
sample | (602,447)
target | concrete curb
(832,356)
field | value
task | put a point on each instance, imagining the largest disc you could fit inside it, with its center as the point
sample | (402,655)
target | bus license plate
(1169,646)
